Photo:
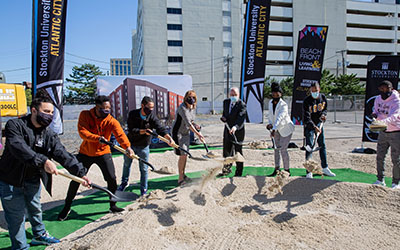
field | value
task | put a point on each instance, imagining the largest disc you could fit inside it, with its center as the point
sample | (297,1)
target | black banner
(309,60)
(380,68)
(48,40)
(255,42)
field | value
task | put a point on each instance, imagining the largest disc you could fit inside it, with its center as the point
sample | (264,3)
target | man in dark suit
(234,115)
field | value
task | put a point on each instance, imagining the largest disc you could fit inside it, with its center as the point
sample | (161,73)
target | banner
(48,40)
(380,68)
(309,60)
(255,42)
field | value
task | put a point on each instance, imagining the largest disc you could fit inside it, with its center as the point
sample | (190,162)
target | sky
(95,29)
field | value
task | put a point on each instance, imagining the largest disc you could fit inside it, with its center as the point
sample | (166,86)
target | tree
(327,81)
(28,94)
(348,85)
(83,79)
(286,85)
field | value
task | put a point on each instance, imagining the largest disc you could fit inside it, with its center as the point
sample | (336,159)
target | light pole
(212,74)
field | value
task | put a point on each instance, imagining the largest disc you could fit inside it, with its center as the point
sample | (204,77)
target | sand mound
(240,213)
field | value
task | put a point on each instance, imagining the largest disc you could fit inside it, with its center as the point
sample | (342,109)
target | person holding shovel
(280,126)
(183,124)
(141,123)
(387,111)
(314,115)
(234,115)
(95,125)
(30,146)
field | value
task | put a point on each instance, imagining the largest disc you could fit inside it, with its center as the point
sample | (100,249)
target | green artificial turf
(94,206)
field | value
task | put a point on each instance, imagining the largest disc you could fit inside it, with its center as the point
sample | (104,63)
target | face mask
(276,99)
(234,98)
(315,94)
(147,111)
(104,113)
(44,119)
(142,116)
(386,95)
(190,100)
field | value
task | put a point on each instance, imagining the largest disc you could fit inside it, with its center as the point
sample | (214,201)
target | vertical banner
(380,68)
(255,42)
(309,60)
(48,40)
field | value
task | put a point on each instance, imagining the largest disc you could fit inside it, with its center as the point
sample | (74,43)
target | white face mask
(315,94)
(234,98)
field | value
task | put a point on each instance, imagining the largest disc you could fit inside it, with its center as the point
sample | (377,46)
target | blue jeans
(142,152)
(310,133)
(15,201)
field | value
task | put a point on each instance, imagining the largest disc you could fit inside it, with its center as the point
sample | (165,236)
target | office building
(120,66)
(175,37)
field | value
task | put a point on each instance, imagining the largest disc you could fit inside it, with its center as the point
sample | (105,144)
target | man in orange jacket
(93,125)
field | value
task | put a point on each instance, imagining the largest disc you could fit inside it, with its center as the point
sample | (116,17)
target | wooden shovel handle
(70,176)
(167,141)
(125,153)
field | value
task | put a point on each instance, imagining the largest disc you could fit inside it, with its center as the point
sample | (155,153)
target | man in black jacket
(30,146)
(140,123)
(234,115)
(314,114)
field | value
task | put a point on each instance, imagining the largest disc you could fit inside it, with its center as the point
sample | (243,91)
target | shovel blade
(121,196)
(315,149)
(308,148)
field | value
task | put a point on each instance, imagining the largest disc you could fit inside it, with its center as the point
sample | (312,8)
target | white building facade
(173,37)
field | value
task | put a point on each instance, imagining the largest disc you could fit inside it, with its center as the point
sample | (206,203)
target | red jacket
(90,128)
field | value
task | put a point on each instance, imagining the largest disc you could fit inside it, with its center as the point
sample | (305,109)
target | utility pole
(212,74)
(227,59)
(343,60)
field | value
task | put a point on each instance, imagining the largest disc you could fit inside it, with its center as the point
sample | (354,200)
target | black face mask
(104,113)
(276,99)
(44,119)
(386,95)
(147,111)
(190,100)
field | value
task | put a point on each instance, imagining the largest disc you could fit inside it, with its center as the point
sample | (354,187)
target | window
(175,73)
(175,59)
(227,44)
(227,28)
(174,26)
(226,13)
(176,43)
(174,11)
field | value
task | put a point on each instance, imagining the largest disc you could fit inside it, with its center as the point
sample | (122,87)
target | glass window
(175,73)
(226,28)
(175,59)
(174,26)
(177,43)
(226,13)
(227,44)
(174,11)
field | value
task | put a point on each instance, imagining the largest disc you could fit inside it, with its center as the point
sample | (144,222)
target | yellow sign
(12,100)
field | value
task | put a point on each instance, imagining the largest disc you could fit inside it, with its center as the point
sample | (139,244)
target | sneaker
(309,175)
(44,239)
(380,183)
(328,172)
(122,186)
(288,170)
(395,186)
(115,209)
(274,173)
(64,213)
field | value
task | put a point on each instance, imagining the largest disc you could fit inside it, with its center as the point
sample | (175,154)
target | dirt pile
(240,213)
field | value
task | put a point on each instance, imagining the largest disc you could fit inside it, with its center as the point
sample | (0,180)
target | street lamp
(212,74)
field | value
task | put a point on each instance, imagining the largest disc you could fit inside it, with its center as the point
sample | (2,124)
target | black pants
(229,148)
(106,165)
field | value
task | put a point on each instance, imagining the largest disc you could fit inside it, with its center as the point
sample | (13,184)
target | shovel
(315,148)
(235,141)
(273,140)
(209,153)
(174,145)
(116,147)
(119,196)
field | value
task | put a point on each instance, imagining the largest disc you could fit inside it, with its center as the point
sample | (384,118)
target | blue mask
(315,94)
(234,98)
